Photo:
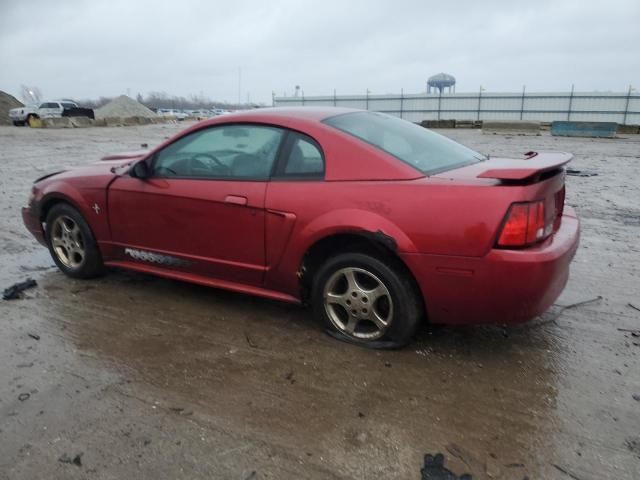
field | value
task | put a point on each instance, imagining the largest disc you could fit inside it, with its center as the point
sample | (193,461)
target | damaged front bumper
(32,222)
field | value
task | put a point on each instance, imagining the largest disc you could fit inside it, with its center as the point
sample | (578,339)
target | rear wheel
(364,300)
(71,243)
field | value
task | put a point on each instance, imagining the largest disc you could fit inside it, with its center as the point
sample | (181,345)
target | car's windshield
(423,149)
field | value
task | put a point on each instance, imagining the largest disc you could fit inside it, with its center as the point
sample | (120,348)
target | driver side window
(233,152)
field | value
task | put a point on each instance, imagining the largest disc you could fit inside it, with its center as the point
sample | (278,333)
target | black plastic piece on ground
(14,290)
(434,469)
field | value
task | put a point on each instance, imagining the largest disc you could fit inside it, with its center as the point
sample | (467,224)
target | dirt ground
(131,376)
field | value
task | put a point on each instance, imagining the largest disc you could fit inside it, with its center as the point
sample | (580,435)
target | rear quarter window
(426,151)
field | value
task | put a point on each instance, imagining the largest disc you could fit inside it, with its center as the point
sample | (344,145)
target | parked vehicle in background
(55,108)
(50,109)
(20,116)
(172,113)
(374,221)
(200,114)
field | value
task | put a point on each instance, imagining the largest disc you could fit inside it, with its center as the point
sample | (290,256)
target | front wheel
(71,243)
(367,301)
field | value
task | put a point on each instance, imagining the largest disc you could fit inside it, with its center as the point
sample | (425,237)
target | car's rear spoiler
(126,155)
(532,164)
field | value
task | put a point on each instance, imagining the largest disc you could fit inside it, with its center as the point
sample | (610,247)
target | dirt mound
(7,102)
(124,106)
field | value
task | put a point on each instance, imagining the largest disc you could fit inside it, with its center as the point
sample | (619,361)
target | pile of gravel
(124,106)
(7,102)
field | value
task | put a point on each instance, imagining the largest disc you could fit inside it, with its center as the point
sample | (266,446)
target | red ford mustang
(374,221)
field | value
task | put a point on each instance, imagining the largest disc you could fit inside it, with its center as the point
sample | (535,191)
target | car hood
(94,175)
(100,172)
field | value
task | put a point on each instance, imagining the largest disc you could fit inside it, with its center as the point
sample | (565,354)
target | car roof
(365,162)
(283,113)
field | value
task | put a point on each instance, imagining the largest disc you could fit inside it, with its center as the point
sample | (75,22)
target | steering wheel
(206,161)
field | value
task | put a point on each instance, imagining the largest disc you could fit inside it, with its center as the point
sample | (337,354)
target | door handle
(235,200)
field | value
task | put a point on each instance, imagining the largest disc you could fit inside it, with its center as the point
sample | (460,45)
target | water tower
(440,82)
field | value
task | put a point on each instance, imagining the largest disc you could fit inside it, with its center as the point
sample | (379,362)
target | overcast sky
(87,49)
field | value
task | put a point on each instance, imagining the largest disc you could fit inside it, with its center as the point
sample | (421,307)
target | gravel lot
(131,376)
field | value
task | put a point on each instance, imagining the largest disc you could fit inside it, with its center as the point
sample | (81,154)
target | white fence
(623,108)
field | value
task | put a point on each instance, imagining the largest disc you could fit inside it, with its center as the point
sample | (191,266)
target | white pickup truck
(55,108)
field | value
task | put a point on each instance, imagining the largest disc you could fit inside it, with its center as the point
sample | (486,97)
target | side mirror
(140,170)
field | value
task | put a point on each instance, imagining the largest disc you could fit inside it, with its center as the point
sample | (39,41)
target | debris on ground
(34,336)
(633,306)
(565,471)
(580,173)
(633,445)
(491,466)
(124,106)
(568,307)
(249,341)
(289,376)
(181,411)
(434,469)
(13,292)
(636,397)
(24,396)
(633,332)
(466,457)
(77,460)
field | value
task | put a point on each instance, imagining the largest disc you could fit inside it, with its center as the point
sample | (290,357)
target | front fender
(82,199)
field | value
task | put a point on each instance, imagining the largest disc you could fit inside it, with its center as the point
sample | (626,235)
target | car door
(202,209)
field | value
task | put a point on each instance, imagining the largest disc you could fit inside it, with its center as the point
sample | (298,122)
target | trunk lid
(535,182)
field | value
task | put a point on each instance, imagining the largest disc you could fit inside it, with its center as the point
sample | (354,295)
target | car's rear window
(423,149)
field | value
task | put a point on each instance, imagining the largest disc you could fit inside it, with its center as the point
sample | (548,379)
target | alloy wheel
(358,303)
(67,242)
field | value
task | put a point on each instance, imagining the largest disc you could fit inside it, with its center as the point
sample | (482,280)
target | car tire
(366,300)
(71,243)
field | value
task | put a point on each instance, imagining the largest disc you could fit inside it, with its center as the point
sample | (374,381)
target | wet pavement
(131,376)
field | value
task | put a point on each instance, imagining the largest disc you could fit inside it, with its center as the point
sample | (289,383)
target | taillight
(525,224)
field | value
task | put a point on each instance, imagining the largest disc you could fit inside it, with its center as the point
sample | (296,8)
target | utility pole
(479,101)
(626,106)
(570,103)
(522,102)
(239,85)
